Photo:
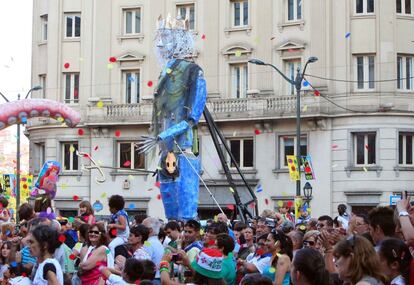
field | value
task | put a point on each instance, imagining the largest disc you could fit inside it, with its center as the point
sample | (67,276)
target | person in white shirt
(43,242)
(131,274)
(154,246)
(14,275)
(395,259)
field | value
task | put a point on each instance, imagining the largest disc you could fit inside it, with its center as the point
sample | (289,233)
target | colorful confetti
(305,108)
(150,83)
(316,93)
(267,201)
(347,35)
(81,132)
(127,163)
(60,119)
(238,53)
(96,148)
(75,197)
(62,238)
(100,104)
(259,188)
(289,204)
(158,184)
(117,134)
(203,37)
(114,232)
(66,65)
(112,59)
(365,169)
(131,206)
(168,71)
(230,207)
(280,204)
(256,132)
(252,205)
(234,133)
(71,219)
(110,66)
(334,146)
(159,197)
(72,257)
(231,189)
(305,83)
(72,149)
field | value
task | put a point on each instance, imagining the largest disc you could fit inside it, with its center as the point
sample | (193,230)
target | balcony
(221,109)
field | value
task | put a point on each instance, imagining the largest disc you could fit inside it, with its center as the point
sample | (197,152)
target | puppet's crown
(171,23)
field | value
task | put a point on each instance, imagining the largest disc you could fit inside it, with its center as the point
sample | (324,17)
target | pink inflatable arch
(12,112)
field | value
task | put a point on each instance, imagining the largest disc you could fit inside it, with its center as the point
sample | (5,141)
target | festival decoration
(13,112)
(293,167)
(97,206)
(179,102)
(8,188)
(307,167)
(47,179)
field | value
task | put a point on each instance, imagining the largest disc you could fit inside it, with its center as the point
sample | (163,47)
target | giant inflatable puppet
(179,102)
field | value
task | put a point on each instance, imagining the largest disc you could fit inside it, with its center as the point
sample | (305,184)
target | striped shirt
(26,257)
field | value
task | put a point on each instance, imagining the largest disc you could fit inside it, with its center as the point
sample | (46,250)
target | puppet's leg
(168,191)
(188,187)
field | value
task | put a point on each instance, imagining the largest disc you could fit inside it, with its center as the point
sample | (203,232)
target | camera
(175,257)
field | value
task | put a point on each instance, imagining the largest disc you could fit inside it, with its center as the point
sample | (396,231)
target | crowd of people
(358,249)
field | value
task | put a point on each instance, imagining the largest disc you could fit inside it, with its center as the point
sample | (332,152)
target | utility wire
(357,81)
(337,105)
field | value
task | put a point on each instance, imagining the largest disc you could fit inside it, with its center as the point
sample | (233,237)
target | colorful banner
(307,167)
(8,184)
(293,167)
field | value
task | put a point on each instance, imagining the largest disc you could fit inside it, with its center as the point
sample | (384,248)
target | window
(294,10)
(288,147)
(404,7)
(42,82)
(291,69)
(364,148)
(68,213)
(365,72)
(364,6)
(38,156)
(43,20)
(73,25)
(405,72)
(187,12)
(242,150)
(131,79)
(132,21)
(405,149)
(240,12)
(239,80)
(69,157)
(128,156)
(71,88)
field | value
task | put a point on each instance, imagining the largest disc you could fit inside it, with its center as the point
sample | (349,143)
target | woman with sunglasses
(357,263)
(310,239)
(94,255)
(281,248)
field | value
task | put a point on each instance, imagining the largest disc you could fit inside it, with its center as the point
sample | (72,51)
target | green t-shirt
(228,269)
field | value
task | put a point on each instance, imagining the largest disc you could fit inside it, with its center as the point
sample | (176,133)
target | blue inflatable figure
(179,102)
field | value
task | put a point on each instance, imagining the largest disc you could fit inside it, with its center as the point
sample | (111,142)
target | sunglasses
(308,242)
(95,232)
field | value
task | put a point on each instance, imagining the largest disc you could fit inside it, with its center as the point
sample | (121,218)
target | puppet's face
(171,163)
(173,43)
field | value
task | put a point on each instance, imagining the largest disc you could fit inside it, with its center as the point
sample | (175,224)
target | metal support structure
(217,138)
(297,83)
(35,88)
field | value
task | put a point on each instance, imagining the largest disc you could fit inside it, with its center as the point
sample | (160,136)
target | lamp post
(307,192)
(297,83)
(35,88)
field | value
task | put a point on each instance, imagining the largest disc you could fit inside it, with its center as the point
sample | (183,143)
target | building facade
(358,125)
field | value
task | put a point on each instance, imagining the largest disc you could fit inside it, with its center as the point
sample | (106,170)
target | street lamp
(307,192)
(298,85)
(35,88)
